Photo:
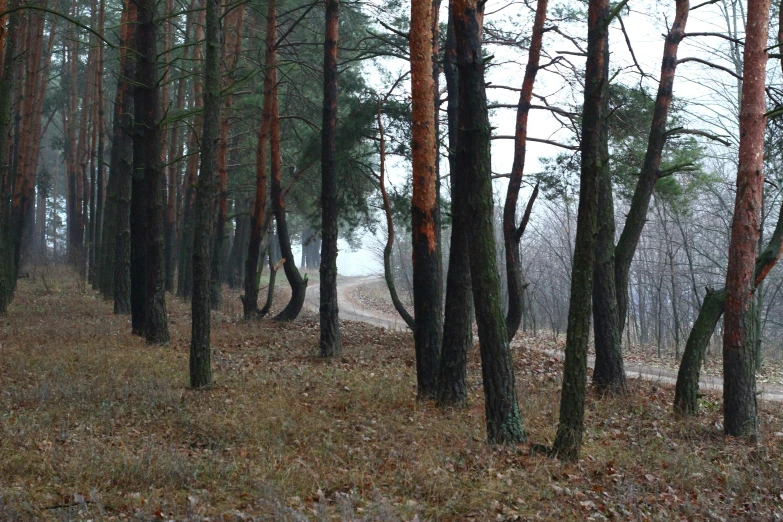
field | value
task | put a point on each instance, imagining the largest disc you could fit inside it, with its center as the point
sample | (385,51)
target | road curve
(350,308)
(353,310)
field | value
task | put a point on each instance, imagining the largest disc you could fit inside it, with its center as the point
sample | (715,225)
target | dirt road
(353,310)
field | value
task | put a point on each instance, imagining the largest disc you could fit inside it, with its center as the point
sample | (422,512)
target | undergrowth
(95,424)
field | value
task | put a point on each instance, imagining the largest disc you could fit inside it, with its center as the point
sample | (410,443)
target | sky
(711,92)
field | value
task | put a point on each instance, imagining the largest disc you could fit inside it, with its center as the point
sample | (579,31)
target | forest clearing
(99,425)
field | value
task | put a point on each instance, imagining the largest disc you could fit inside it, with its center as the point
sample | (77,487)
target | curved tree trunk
(568,439)
(387,249)
(329,310)
(504,425)
(686,398)
(650,173)
(511,235)
(250,298)
(426,274)
(298,285)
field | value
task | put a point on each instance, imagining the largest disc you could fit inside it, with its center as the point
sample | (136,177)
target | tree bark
(504,425)
(29,135)
(329,310)
(185,269)
(387,249)
(120,135)
(650,172)
(200,365)
(511,235)
(149,178)
(176,141)
(568,439)
(426,284)
(609,373)
(6,85)
(458,313)
(739,377)
(295,280)
(250,298)
(234,23)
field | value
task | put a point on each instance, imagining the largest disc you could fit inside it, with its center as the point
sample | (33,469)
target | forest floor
(370,295)
(95,424)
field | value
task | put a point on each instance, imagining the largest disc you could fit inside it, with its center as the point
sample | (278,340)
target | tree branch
(710,64)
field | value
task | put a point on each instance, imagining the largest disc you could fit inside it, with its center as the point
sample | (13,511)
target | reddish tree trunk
(426,284)
(511,235)
(739,378)
(250,298)
(231,57)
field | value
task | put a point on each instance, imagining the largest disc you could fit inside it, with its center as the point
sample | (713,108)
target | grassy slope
(95,424)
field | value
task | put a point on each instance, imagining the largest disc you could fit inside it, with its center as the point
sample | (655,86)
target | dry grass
(96,425)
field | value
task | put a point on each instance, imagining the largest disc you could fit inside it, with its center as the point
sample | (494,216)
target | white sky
(709,91)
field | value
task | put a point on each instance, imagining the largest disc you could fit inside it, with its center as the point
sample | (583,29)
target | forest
(391,261)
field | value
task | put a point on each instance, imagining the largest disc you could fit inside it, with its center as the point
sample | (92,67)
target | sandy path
(353,310)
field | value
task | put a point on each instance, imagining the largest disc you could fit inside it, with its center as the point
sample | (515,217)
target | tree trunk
(185,269)
(295,280)
(458,313)
(250,299)
(504,425)
(149,178)
(298,285)
(739,377)
(650,173)
(329,311)
(511,233)
(176,140)
(387,249)
(608,374)
(100,154)
(6,85)
(426,284)
(232,50)
(23,197)
(200,365)
(236,258)
(120,135)
(568,439)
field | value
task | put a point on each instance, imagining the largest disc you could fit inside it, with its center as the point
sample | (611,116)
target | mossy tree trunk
(458,313)
(504,425)
(568,439)
(200,361)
